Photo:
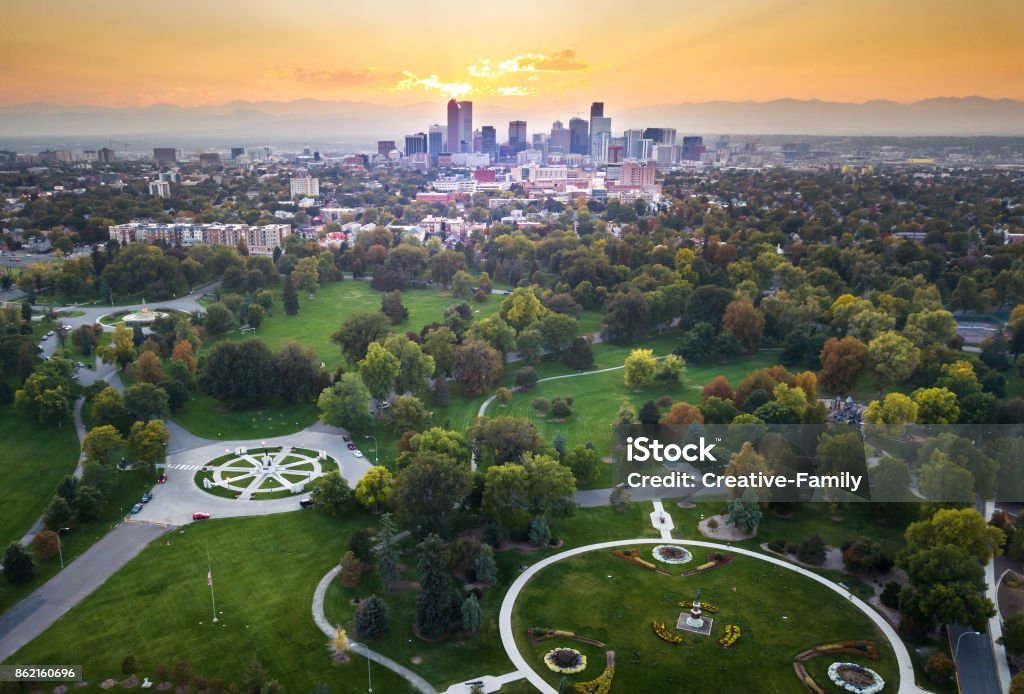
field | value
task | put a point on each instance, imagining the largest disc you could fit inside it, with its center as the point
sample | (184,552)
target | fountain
(694,621)
(143,316)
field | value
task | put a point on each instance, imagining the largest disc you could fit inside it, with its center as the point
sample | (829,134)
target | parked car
(200,516)
(305,503)
(147,497)
(351,446)
(136,508)
(357,453)
(161,479)
(385,405)
(346,438)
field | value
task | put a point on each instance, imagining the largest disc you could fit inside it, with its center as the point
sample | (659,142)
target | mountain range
(315,120)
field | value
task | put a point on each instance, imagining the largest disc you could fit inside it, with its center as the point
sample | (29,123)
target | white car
(357,453)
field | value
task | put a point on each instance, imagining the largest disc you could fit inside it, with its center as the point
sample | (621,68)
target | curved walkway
(905,664)
(320,617)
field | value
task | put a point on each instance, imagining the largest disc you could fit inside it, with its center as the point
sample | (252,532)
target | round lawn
(779,612)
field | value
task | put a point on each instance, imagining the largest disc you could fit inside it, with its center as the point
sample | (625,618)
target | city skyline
(119,54)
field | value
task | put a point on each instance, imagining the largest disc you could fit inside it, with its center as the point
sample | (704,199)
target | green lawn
(320,317)
(207,417)
(158,607)
(780,614)
(35,458)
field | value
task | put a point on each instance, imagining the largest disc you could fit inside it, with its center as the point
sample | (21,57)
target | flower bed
(565,661)
(601,685)
(631,556)
(810,685)
(855,678)
(662,632)
(672,554)
(866,649)
(714,561)
(732,635)
(704,606)
(538,634)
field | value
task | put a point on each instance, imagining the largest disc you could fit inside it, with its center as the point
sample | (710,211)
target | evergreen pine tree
(290,297)
(371,619)
(486,569)
(433,616)
(540,533)
(471,614)
(19,566)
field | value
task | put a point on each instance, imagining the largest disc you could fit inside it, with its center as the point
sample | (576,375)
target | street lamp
(60,550)
(376,458)
(369,676)
(957,648)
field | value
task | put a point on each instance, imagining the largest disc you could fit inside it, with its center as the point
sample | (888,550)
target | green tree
(358,332)
(379,369)
(147,442)
(19,566)
(439,343)
(433,602)
(407,413)
(670,371)
(102,444)
(584,463)
(374,490)
(893,358)
(522,308)
(891,415)
(477,366)
(392,307)
(330,494)
(46,394)
(346,404)
(306,275)
(414,366)
(371,619)
(639,367)
(296,372)
(540,532)
(471,616)
(219,320)
(484,565)
(290,297)
(428,491)
(146,401)
(745,513)
(936,406)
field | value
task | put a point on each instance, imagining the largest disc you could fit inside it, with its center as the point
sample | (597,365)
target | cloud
(518,76)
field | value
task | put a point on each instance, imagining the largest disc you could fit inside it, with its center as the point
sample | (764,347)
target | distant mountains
(350,121)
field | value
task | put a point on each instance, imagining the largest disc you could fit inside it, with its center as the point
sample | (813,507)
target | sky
(559,53)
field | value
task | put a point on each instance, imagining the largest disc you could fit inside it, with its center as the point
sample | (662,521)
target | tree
(102,444)
(526,378)
(497,333)
(439,343)
(121,350)
(306,275)
(387,563)
(148,368)
(889,480)
(522,308)
(504,395)
(19,567)
(964,528)
(477,366)
(296,372)
(346,404)
(893,358)
(843,361)
(428,491)
(936,406)
(130,665)
(255,316)
(638,369)
(350,570)
(433,602)
(330,493)
(1013,634)
(682,413)
(940,667)
(219,320)
(392,307)
(290,297)
(540,533)
(146,401)
(505,439)
(812,550)
(1017,684)
(358,332)
(414,366)
(670,370)
(945,584)
(745,513)
(46,394)
(580,355)
(557,332)
(46,543)
(379,369)
(462,284)
(239,374)
(371,619)
(865,554)
(627,317)
(147,442)
(745,323)
(584,463)
(745,462)
(374,489)
(891,415)
(471,616)
(485,568)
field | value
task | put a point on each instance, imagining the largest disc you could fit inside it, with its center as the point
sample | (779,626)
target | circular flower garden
(263,473)
(565,661)
(855,678)
(672,554)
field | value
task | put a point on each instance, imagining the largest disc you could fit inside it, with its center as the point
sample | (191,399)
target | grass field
(158,607)
(207,417)
(35,458)
(779,613)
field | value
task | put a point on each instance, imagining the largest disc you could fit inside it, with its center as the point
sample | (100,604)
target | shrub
(713,523)
(541,405)
(939,668)
(561,408)
(812,550)
(890,596)
(526,378)
(777,545)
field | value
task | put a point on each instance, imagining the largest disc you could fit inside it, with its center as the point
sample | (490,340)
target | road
(33,615)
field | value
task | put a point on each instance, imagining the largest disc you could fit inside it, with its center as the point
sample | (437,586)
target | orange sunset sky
(522,52)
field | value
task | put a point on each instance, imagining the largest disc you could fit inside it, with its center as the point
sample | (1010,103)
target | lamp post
(60,550)
(376,457)
(957,648)
(369,676)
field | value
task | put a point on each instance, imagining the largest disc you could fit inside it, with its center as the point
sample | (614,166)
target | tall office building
(599,127)
(415,144)
(384,147)
(465,126)
(599,146)
(645,149)
(435,141)
(632,144)
(579,136)
(105,155)
(558,140)
(165,155)
(489,141)
(597,124)
(454,133)
(517,135)
(693,148)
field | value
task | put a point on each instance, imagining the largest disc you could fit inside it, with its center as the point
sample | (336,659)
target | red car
(200,516)
(161,479)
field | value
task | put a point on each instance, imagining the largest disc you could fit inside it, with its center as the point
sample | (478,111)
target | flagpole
(209,579)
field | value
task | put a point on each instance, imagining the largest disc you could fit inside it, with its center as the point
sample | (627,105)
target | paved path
(33,615)
(905,664)
(662,521)
(320,617)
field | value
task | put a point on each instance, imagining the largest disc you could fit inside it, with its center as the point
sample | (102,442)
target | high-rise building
(489,141)
(616,153)
(632,145)
(645,149)
(596,114)
(599,148)
(558,140)
(305,186)
(165,155)
(637,174)
(161,189)
(454,131)
(435,141)
(466,126)
(579,136)
(599,126)
(517,135)
(693,148)
(236,152)
(415,144)
(384,147)
(105,155)
(209,158)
